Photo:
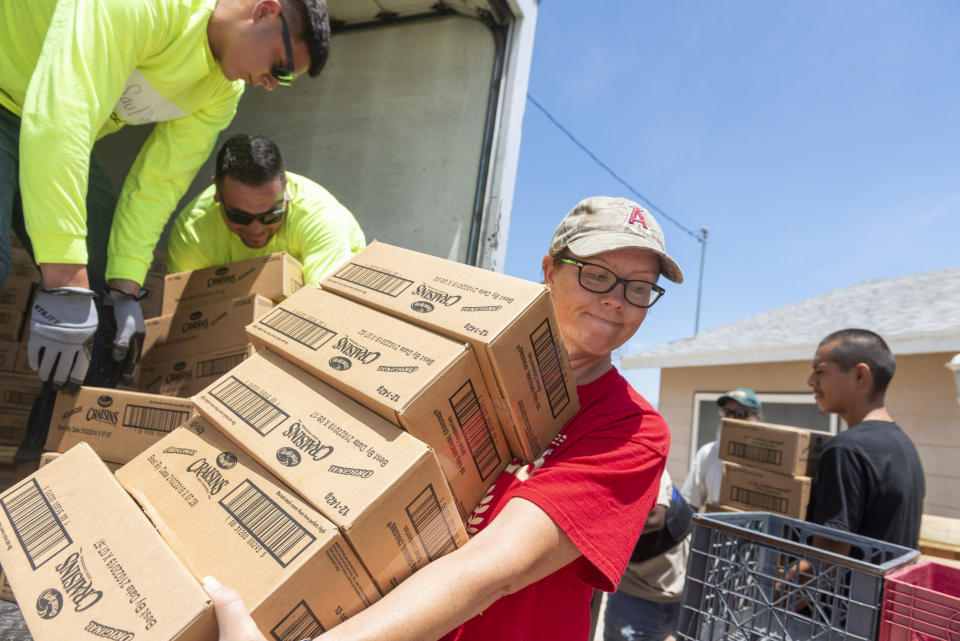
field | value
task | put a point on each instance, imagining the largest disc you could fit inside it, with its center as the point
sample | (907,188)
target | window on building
(794,409)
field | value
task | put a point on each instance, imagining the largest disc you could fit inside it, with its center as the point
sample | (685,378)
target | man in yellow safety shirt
(255,207)
(72,71)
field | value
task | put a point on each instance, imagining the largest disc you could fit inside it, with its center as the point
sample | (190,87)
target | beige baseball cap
(601,224)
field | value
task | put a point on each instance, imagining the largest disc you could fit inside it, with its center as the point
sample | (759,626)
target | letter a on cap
(636,215)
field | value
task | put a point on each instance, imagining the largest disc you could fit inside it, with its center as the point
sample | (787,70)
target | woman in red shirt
(549,532)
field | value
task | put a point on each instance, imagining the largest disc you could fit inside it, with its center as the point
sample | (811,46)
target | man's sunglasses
(286,75)
(271,217)
(739,413)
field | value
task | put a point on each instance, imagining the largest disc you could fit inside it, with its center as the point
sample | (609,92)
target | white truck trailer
(414,123)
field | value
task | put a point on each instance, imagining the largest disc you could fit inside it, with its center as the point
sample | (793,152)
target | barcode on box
(39,530)
(759,499)
(299,624)
(373,279)
(427,518)
(249,406)
(220,365)
(755,453)
(296,327)
(155,419)
(269,524)
(545,350)
(473,424)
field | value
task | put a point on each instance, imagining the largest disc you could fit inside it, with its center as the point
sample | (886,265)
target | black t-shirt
(870,482)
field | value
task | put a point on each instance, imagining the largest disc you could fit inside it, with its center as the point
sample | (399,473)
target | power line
(700,238)
(646,201)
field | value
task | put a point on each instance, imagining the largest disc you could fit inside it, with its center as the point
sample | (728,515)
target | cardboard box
(224,515)
(21,263)
(275,276)
(379,485)
(78,550)
(212,327)
(159,265)
(510,323)
(17,291)
(152,305)
(777,448)
(192,373)
(8,355)
(11,322)
(117,424)
(13,426)
(49,457)
(752,489)
(17,391)
(709,508)
(12,473)
(5,592)
(429,385)
(21,362)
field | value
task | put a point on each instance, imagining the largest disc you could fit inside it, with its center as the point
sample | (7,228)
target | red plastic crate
(920,603)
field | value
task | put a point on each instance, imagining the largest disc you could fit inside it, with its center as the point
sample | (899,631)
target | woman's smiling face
(596,324)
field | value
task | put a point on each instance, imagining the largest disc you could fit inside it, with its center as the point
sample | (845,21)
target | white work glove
(63,322)
(125,317)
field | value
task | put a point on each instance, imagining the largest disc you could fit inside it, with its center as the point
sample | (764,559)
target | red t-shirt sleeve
(600,488)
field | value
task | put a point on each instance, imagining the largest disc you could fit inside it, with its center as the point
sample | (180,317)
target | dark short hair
(311,25)
(863,346)
(251,159)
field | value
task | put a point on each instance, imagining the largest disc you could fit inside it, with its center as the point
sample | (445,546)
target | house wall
(922,398)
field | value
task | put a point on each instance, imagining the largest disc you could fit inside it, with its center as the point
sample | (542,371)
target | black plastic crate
(742,582)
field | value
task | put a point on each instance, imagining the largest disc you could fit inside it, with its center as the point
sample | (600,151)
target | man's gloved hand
(127,319)
(63,322)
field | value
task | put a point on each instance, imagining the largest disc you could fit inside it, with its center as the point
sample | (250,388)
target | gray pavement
(12,627)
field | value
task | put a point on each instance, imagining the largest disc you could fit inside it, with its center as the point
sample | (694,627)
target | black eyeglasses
(271,217)
(739,412)
(286,75)
(600,280)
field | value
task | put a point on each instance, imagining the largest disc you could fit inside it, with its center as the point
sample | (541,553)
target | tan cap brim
(600,243)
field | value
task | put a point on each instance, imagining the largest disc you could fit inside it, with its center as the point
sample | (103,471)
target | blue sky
(818,142)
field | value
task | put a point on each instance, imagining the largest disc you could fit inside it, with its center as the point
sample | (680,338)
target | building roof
(915,314)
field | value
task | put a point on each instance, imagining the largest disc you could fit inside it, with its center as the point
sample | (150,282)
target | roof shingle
(917,313)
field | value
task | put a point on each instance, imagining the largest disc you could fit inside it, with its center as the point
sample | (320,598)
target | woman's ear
(549,267)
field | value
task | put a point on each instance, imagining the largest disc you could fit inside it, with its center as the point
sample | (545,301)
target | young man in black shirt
(870,480)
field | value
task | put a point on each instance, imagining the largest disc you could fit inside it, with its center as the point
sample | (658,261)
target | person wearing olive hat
(702,484)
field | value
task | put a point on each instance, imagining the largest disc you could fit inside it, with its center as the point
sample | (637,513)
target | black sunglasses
(286,75)
(738,413)
(271,217)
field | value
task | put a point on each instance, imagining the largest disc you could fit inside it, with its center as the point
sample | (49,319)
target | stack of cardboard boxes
(322,470)
(18,384)
(199,334)
(768,468)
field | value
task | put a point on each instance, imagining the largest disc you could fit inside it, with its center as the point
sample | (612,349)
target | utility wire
(698,237)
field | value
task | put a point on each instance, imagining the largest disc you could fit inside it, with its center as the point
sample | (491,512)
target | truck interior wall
(393,128)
